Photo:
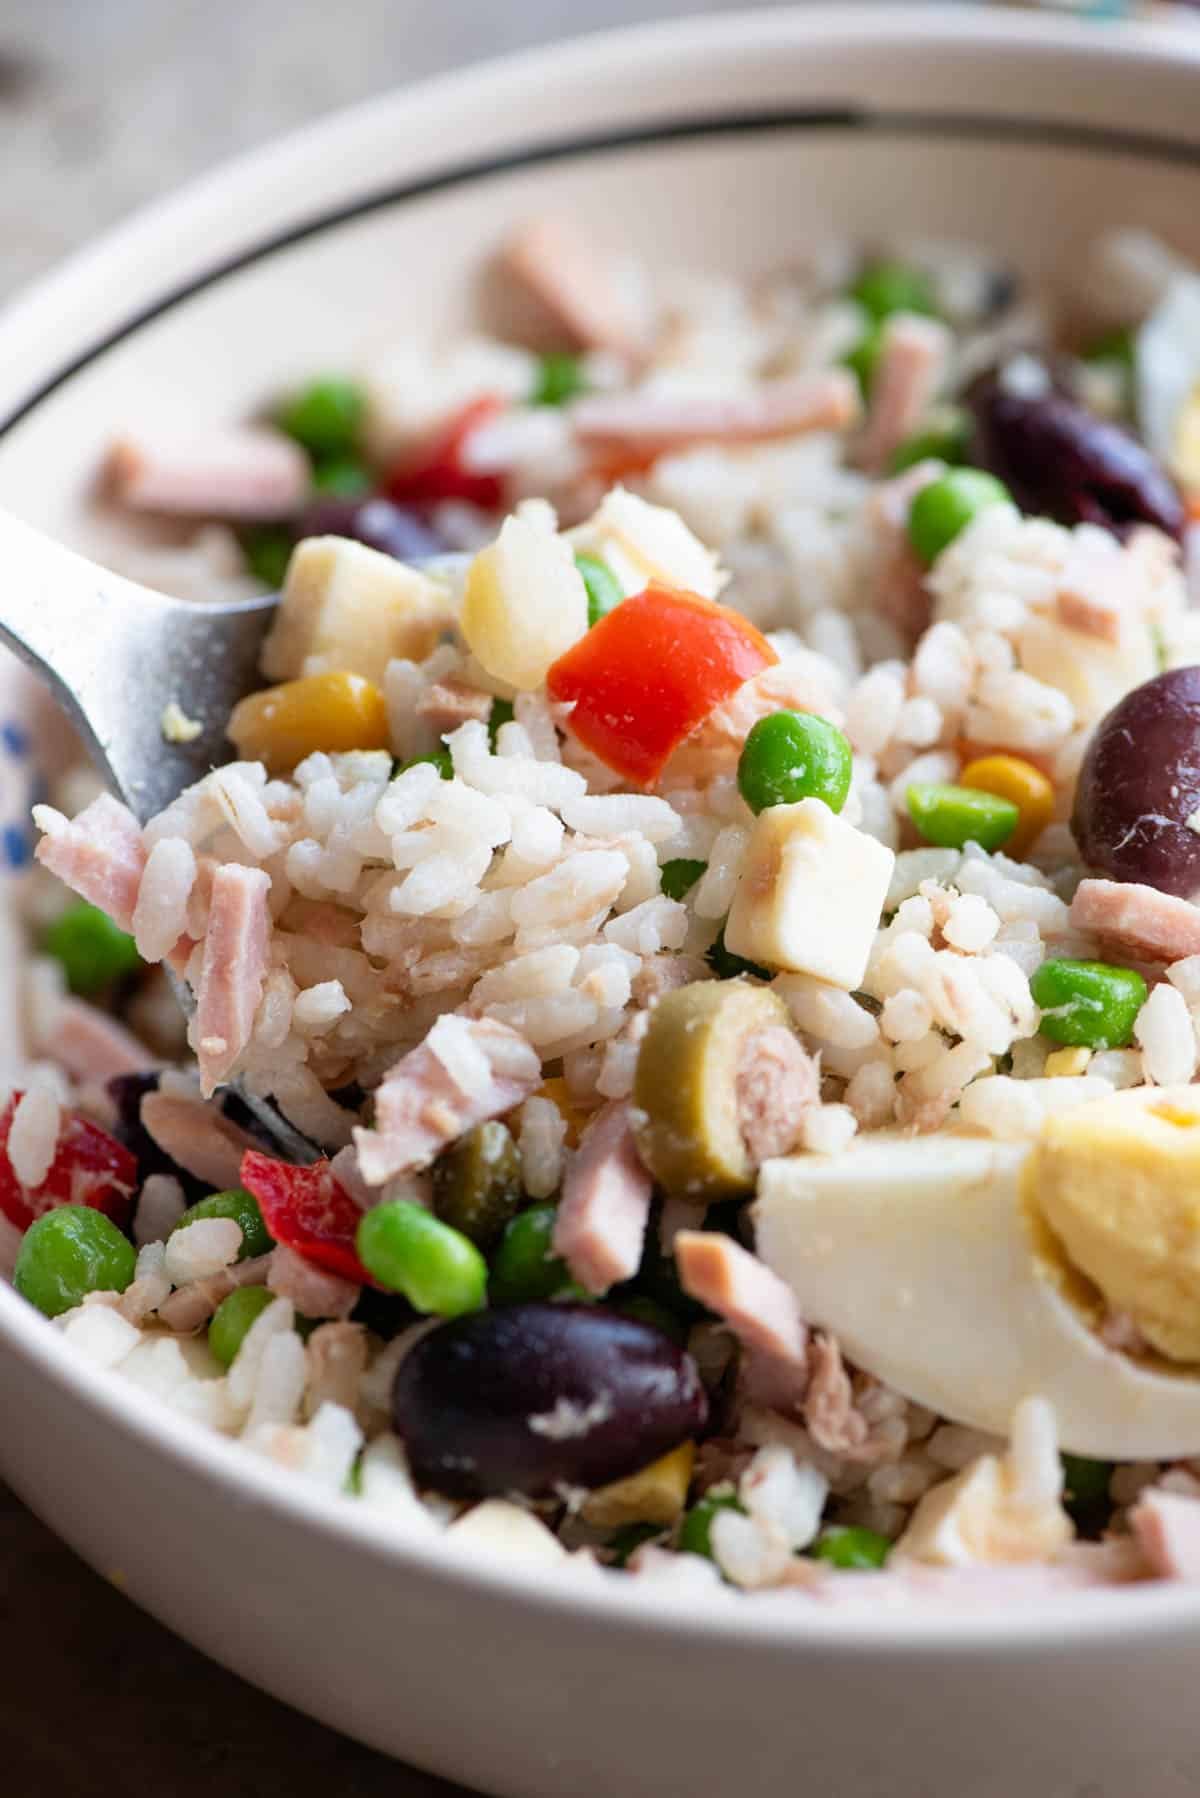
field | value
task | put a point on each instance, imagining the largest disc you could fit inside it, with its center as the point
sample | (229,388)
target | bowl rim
(770,1622)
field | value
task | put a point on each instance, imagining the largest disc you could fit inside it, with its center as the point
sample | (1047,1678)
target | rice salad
(711,872)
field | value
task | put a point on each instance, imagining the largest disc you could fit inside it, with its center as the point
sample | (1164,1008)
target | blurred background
(106,103)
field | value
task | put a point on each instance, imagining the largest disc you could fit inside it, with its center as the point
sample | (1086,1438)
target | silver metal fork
(116,655)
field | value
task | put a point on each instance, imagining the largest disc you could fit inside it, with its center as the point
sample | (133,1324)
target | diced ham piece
(1167,1526)
(186,1310)
(447,704)
(833,1423)
(314,1291)
(1094,593)
(777,1082)
(601,1220)
(651,423)
(758,1306)
(246,471)
(100,854)
(233,969)
(1140,920)
(912,361)
(580,291)
(91,1045)
(466,1071)
(900,591)
(197,1138)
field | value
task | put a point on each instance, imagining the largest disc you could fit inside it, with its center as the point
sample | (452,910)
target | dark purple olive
(1139,785)
(533,1398)
(1059,460)
(376,522)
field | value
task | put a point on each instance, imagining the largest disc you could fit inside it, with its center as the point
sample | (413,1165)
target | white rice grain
(160,916)
(541,1141)
(318,1008)
(160,1206)
(33,1135)
(100,1333)
(1164,1034)
(279,1381)
(202,1248)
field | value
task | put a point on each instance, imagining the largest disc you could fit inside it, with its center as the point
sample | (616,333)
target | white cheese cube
(643,543)
(810,894)
(347,607)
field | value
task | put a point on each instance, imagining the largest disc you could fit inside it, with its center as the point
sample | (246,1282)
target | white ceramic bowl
(720,144)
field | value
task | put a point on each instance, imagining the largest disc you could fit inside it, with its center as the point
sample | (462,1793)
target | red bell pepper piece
(307,1209)
(650,672)
(436,472)
(89,1168)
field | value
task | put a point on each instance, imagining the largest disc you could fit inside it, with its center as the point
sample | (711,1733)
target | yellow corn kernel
(1064,1063)
(655,1494)
(574,1115)
(282,725)
(1011,777)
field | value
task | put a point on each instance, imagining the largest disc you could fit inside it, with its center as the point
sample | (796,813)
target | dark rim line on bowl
(1045,133)
(214,1456)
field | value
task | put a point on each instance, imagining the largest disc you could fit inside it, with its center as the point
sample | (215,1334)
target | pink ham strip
(650,423)
(250,472)
(562,270)
(233,969)
(195,1303)
(912,361)
(93,1046)
(100,854)
(1152,925)
(601,1220)
(197,1138)
(314,1292)
(829,1411)
(900,591)
(422,1106)
(757,1305)
(1167,1527)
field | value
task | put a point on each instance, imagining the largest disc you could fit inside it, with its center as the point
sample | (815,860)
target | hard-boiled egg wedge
(931,1261)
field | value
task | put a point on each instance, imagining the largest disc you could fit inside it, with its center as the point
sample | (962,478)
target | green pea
(1113,346)
(941,511)
(603,588)
(943,437)
(628,1539)
(501,713)
(268,550)
(325,417)
(341,475)
(242,1207)
(1088,1004)
(952,816)
(1085,1482)
(525,1266)
(790,756)
(851,1548)
(92,949)
(232,1319)
(409,1250)
(67,1253)
(695,1532)
(728,966)
(645,1310)
(887,287)
(863,359)
(559,378)
(680,876)
(440,758)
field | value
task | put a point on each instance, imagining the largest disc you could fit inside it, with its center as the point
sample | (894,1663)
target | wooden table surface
(104,104)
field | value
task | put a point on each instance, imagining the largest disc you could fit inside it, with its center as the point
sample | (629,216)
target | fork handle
(115,654)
